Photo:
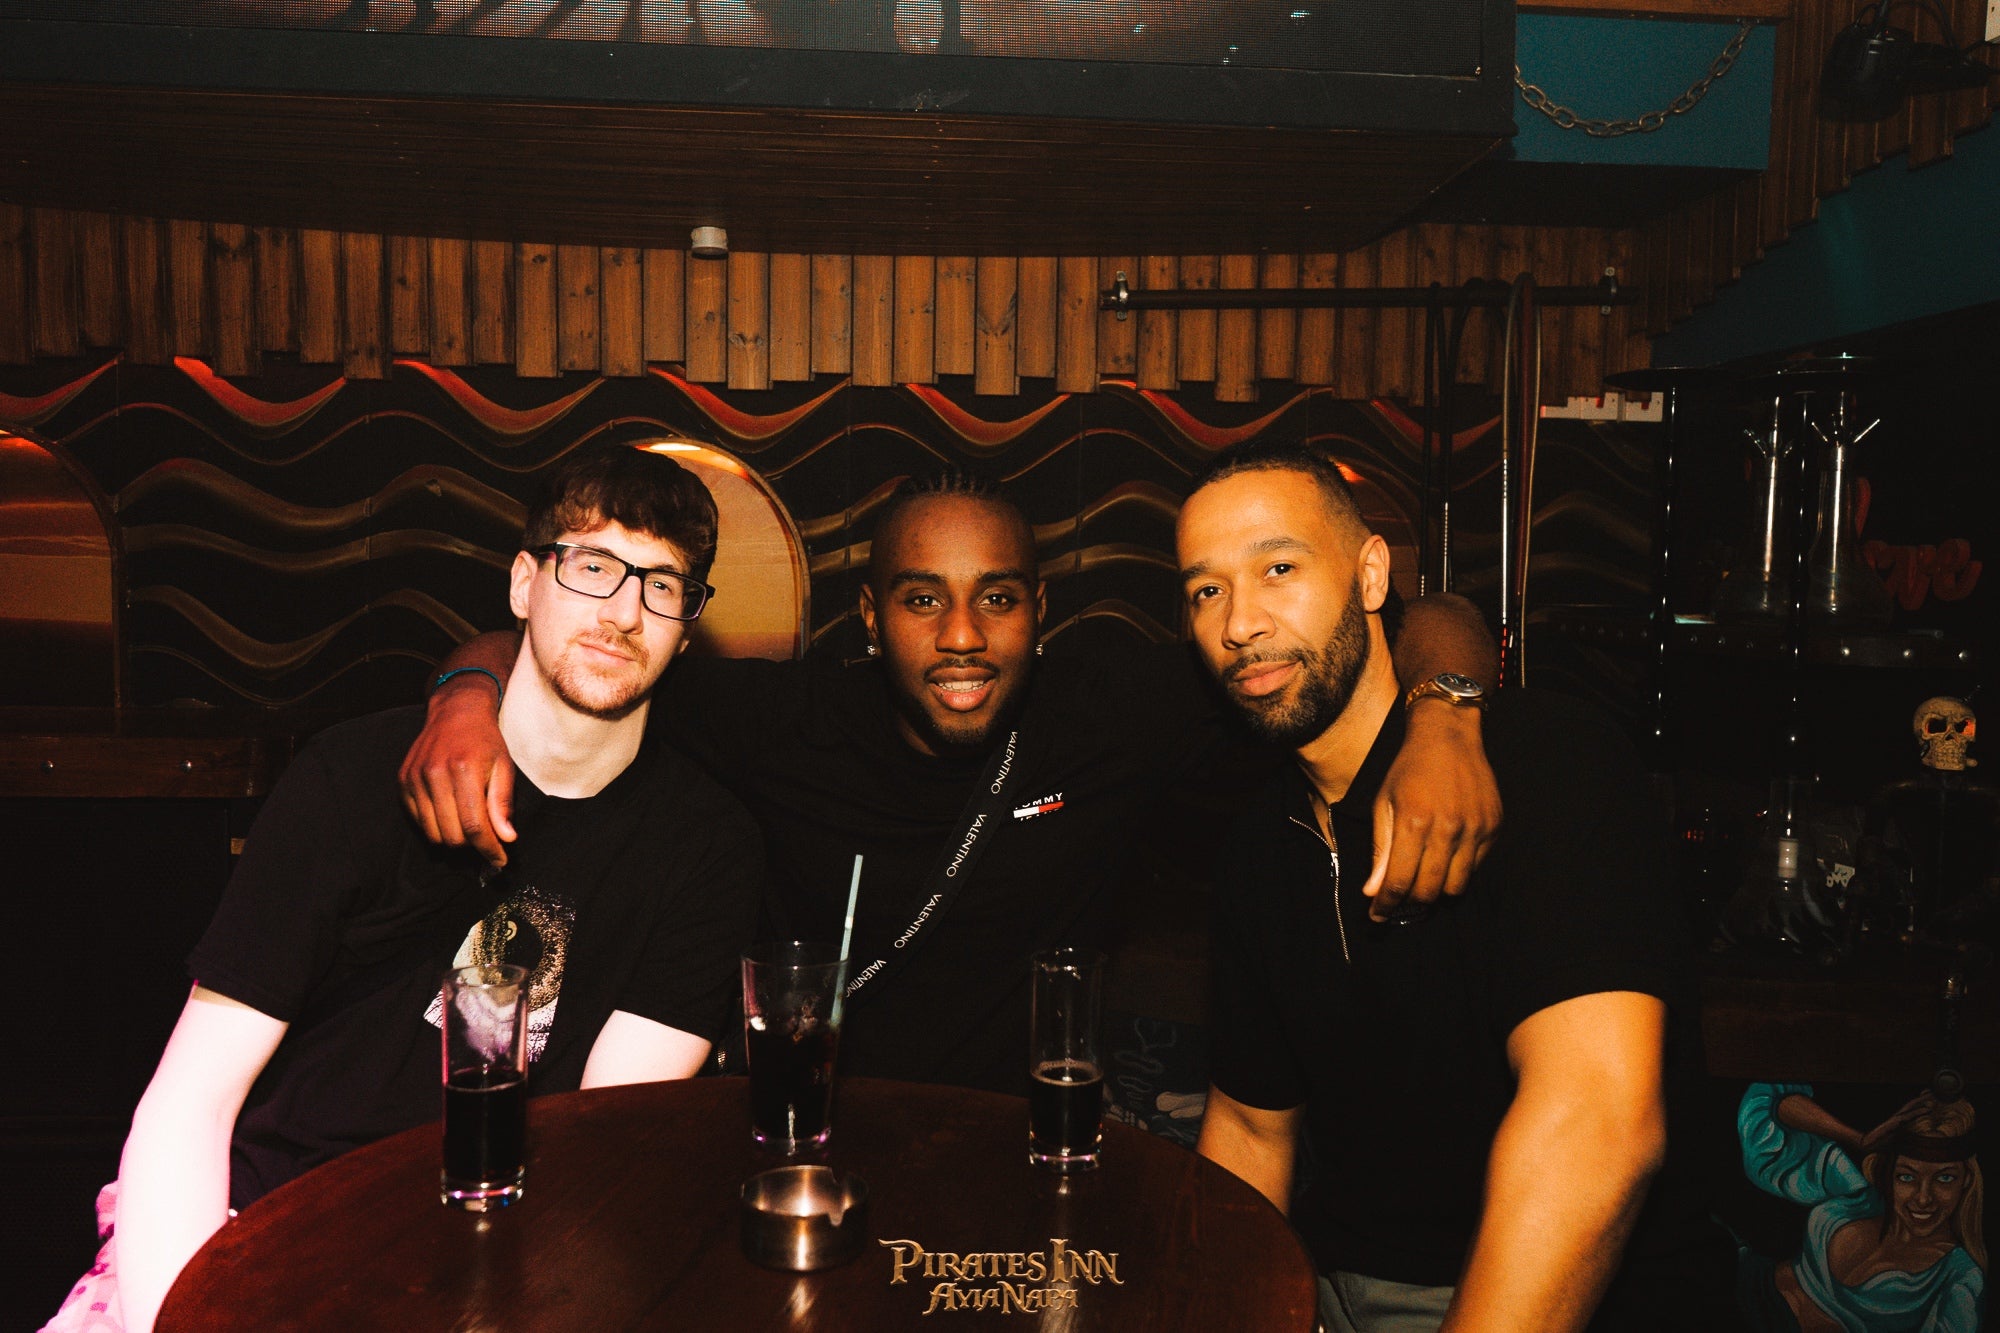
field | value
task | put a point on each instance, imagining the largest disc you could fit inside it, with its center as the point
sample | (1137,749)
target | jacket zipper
(1333,855)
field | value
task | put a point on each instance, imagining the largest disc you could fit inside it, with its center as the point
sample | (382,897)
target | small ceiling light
(709,243)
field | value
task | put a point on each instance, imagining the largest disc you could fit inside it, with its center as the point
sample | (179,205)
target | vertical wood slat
(1394,375)
(707,307)
(1278,330)
(1354,374)
(52,240)
(832,314)
(1802,202)
(1586,328)
(1968,109)
(1117,339)
(187,271)
(450,307)
(362,315)
(277,289)
(319,296)
(791,317)
(1158,364)
(16,344)
(535,299)
(98,289)
(1236,336)
(622,303)
(1775,218)
(1656,252)
(874,320)
(665,280)
(145,313)
(1476,254)
(493,275)
(1433,258)
(1861,155)
(407,266)
(996,319)
(956,304)
(1035,316)
(749,319)
(579,314)
(1749,243)
(1319,330)
(915,336)
(233,259)
(1194,331)
(1076,325)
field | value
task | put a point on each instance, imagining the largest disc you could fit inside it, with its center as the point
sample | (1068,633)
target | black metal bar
(1121,297)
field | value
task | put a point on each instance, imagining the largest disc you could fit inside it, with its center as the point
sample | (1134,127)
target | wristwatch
(1456,690)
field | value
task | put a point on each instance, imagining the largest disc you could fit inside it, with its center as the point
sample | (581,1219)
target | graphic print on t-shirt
(530,929)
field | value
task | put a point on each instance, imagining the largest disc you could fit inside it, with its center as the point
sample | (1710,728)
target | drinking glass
(1066,1092)
(485,1085)
(791,1033)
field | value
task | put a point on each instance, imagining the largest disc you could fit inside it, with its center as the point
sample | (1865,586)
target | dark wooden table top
(629,1221)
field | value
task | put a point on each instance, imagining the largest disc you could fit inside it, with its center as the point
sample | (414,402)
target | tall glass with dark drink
(791,1034)
(1066,1073)
(485,1040)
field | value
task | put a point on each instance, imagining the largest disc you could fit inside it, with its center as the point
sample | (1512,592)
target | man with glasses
(313,1024)
(997,797)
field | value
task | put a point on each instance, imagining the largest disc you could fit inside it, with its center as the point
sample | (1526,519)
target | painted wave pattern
(327,544)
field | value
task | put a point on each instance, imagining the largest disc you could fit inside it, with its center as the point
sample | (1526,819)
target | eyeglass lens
(595,574)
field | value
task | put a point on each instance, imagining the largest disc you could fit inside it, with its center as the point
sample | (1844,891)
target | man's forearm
(1444,632)
(493,652)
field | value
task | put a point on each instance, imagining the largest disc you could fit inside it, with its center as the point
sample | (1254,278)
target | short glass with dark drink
(791,1033)
(485,1085)
(1066,1091)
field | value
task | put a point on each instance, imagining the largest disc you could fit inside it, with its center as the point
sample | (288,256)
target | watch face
(1462,686)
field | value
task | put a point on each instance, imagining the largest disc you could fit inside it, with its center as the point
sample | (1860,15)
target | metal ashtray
(804,1218)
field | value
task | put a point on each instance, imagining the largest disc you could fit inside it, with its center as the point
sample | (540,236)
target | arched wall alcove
(58,583)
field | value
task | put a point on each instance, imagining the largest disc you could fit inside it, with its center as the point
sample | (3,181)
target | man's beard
(574,685)
(1324,684)
(976,736)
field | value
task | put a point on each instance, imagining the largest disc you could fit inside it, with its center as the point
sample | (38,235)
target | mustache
(960,664)
(615,642)
(1242,666)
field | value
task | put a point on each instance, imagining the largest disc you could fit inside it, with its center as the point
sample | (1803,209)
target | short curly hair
(634,487)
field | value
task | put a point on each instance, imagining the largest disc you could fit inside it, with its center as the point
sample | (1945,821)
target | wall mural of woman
(1894,1238)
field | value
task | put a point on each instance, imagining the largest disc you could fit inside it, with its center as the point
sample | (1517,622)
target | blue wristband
(444,676)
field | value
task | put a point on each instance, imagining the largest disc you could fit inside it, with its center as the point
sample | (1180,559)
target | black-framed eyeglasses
(595,573)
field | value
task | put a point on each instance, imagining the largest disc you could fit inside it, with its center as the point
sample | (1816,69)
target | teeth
(960,686)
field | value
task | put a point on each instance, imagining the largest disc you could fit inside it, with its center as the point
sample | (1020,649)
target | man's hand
(1437,813)
(458,780)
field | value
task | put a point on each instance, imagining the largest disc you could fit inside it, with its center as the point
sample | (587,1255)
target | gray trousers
(1351,1303)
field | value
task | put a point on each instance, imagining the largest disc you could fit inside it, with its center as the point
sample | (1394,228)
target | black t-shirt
(813,750)
(1394,1037)
(341,919)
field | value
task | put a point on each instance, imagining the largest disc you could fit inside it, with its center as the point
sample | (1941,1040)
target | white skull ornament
(1945,729)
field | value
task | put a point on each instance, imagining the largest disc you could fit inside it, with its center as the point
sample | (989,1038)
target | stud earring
(873,650)
(1038,650)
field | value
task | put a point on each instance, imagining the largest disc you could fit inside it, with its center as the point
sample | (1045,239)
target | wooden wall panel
(874,324)
(362,352)
(749,320)
(579,312)
(233,259)
(187,274)
(52,237)
(1236,336)
(1319,330)
(791,317)
(450,310)
(1076,325)
(1354,366)
(956,301)
(319,296)
(1278,330)
(278,289)
(665,282)
(1158,357)
(98,294)
(535,300)
(145,297)
(1035,319)
(832,315)
(995,369)
(16,258)
(915,332)
(707,350)
(408,264)
(622,307)
(1117,339)
(493,274)
(1194,331)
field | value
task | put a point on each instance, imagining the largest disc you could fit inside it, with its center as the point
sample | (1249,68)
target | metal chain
(1651,120)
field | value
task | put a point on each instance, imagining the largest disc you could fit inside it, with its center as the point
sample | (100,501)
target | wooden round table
(629,1221)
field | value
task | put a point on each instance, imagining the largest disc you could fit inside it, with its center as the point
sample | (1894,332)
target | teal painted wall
(1895,246)
(1613,69)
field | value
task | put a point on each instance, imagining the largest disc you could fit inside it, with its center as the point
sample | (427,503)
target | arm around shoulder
(173,1189)
(458,779)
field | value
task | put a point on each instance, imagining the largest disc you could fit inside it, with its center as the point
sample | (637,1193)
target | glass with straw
(793,997)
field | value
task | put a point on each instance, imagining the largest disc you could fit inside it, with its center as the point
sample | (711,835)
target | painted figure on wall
(1894,1238)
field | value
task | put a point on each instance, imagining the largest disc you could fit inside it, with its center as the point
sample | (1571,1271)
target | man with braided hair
(994,795)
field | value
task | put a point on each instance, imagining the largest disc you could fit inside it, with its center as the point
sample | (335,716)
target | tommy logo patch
(1041,805)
